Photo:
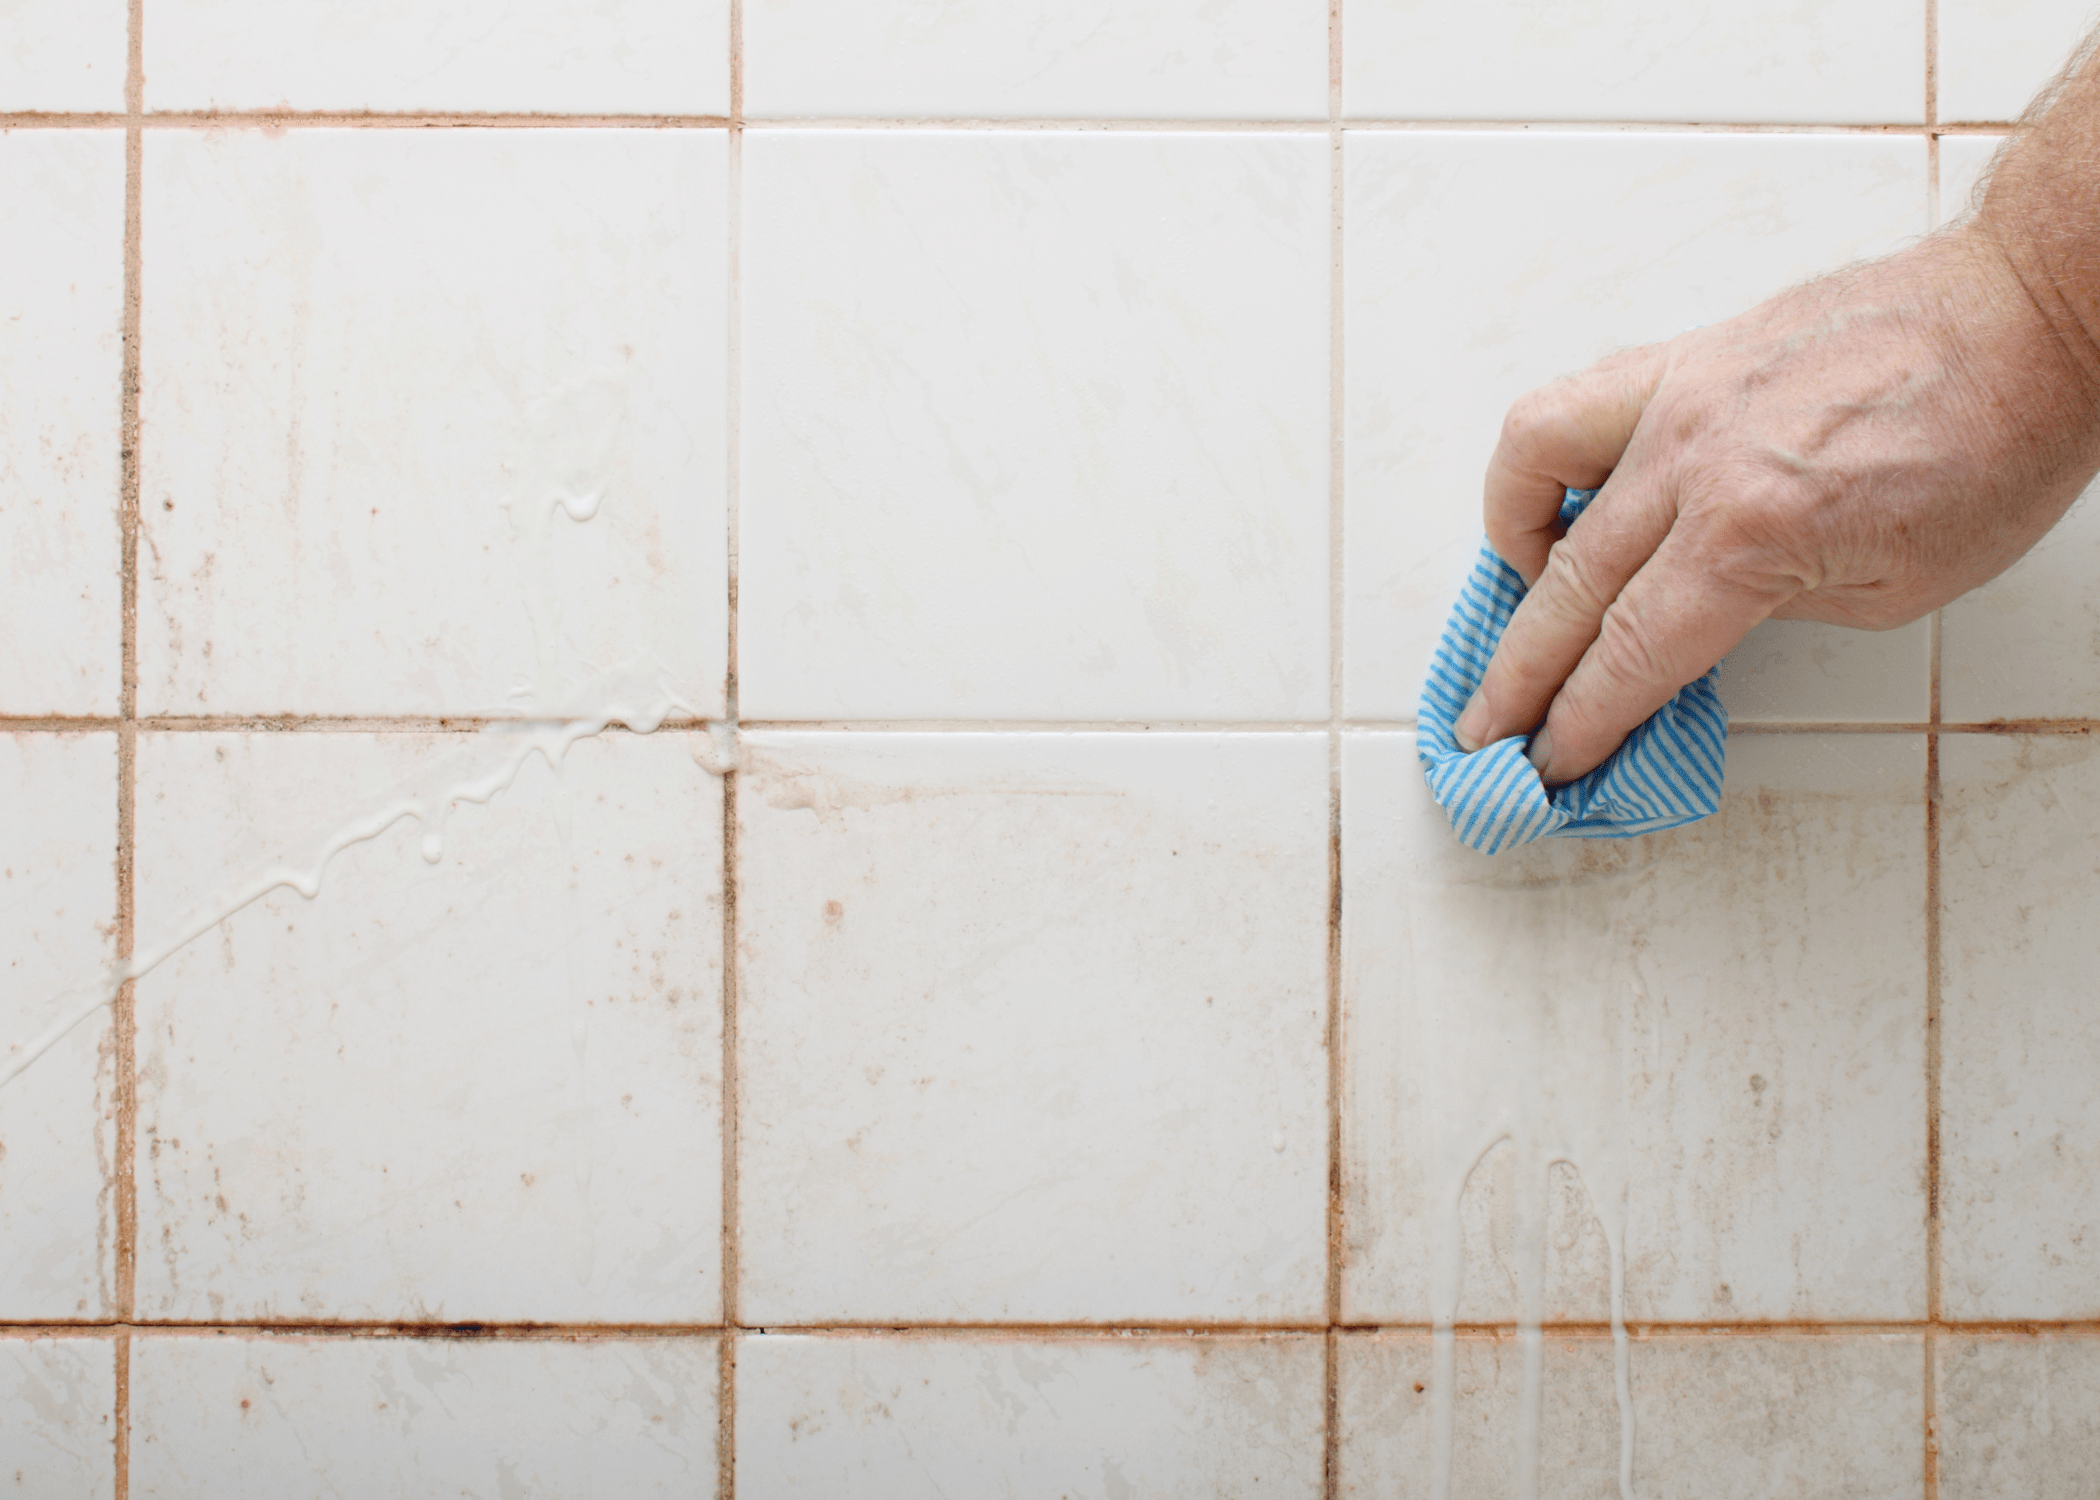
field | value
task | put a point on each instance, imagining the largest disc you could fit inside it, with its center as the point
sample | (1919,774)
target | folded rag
(1667,773)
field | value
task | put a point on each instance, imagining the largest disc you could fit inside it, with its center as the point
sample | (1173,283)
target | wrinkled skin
(1859,450)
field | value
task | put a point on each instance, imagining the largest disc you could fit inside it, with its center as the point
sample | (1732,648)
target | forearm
(2041,213)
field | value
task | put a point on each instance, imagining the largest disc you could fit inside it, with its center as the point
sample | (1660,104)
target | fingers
(1559,619)
(1568,435)
(1678,616)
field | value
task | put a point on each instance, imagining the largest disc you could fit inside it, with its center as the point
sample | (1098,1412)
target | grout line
(124,1010)
(2026,1328)
(463,724)
(733,354)
(286,119)
(1337,646)
(1934,1310)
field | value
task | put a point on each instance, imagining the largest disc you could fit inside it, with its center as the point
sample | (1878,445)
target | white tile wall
(2020,1129)
(1066,1056)
(58,1417)
(1716,1418)
(63,55)
(382,370)
(992,989)
(1482,264)
(483,1089)
(1730,1017)
(61,290)
(1035,426)
(1996,55)
(1101,59)
(2018,1416)
(58,907)
(1031,1418)
(259,1418)
(554,56)
(1704,60)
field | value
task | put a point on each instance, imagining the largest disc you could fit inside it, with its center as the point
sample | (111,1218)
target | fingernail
(1541,752)
(1471,729)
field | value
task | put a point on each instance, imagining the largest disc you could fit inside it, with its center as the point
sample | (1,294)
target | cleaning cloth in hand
(1667,773)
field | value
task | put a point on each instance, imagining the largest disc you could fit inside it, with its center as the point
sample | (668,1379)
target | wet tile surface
(2018,1416)
(1829,1417)
(257,1419)
(1639,238)
(1036,426)
(2020,1127)
(1156,59)
(1093,1419)
(58,899)
(1644,60)
(478,1089)
(1032,1028)
(58,1417)
(561,56)
(61,285)
(1721,1027)
(437,421)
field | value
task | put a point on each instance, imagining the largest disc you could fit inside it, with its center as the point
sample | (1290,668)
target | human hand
(1858,450)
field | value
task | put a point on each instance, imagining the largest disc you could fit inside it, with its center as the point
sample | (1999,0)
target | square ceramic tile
(61,373)
(434,422)
(1964,159)
(1454,311)
(556,56)
(2020,1127)
(262,1418)
(1035,426)
(2018,1416)
(2027,644)
(58,1418)
(63,55)
(1031,1419)
(478,1076)
(1996,55)
(58,910)
(1706,1047)
(1712,1418)
(1155,59)
(1635,60)
(1032,1028)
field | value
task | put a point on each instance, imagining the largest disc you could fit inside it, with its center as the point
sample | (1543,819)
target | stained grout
(279,119)
(732,1256)
(1929,1390)
(1337,648)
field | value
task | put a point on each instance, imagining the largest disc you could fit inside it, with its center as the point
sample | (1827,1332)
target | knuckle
(1533,415)
(1569,586)
(1629,655)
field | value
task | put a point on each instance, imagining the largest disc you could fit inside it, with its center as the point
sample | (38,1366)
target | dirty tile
(2027,644)
(62,55)
(1114,59)
(1032,1027)
(527,56)
(527,1419)
(1719,1031)
(1996,55)
(1964,159)
(58,909)
(1450,317)
(434,422)
(58,1418)
(1753,60)
(478,1076)
(2020,1127)
(1712,1419)
(1033,1419)
(2018,1416)
(61,365)
(1035,426)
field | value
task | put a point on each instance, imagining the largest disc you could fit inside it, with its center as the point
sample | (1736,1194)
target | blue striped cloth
(1667,773)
